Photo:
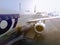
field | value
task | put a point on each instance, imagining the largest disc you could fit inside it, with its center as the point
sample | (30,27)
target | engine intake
(39,27)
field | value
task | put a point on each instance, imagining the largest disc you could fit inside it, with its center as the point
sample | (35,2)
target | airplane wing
(48,18)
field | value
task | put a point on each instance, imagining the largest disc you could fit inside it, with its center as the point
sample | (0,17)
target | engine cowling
(39,27)
(10,19)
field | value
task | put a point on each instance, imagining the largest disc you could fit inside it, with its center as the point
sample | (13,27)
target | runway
(52,32)
(51,35)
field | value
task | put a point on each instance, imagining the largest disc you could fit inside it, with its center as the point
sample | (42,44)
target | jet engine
(7,22)
(39,27)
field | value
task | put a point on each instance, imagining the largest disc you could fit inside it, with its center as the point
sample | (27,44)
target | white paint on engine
(41,24)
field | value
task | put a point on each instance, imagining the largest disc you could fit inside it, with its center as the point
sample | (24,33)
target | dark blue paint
(8,18)
(7,28)
(15,23)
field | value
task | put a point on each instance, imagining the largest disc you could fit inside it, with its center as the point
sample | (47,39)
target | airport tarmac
(51,35)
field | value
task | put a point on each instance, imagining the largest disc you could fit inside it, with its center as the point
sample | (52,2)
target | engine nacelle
(7,22)
(39,27)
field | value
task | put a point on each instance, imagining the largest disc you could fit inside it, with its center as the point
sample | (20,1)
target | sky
(9,5)
(41,5)
(28,5)
(48,5)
